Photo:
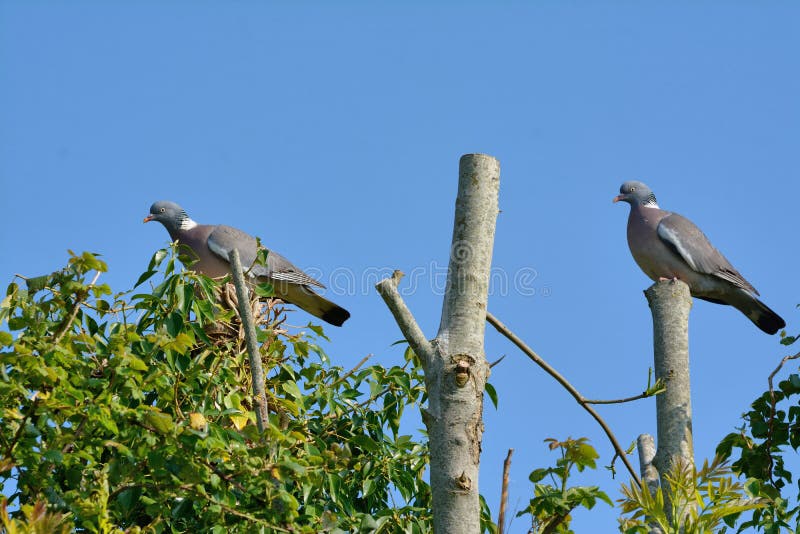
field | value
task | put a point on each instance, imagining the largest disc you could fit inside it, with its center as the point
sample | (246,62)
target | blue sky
(334,133)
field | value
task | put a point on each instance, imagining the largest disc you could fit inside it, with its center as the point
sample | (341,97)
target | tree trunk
(670,302)
(454,362)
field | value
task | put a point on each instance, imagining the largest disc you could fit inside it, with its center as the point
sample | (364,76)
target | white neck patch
(648,205)
(187,224)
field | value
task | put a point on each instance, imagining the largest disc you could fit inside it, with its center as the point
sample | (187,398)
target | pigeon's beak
(148,218)
(618,198)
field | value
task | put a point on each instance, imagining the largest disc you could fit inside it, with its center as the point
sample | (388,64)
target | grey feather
(695,248)
(225,238)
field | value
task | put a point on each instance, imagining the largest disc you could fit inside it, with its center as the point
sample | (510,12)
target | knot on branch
(463,364)
(463,482)
(462,373)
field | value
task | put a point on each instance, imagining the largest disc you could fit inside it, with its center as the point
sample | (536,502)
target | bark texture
(454,362)
(670,302)
(256,369)
(646,446)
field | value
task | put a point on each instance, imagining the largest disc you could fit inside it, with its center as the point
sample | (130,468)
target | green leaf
(53,456)
(760,429)
(37,283)
(366,443)
(794,379)
(6,339)
(144,277)
(293,466)
(105,420)
(291,388)
(204,309)
(316,329)
(93,263)
(128,498)
(157,258)
(162,422)
(91,325)
(583,455)
(261,255)
(539,474)
(136,363)
(17,323)
(492,393)
(265,290)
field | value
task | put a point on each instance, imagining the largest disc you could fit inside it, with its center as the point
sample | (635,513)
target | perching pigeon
(668,246)
(211,244)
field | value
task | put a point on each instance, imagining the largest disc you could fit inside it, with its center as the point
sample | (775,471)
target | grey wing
(225,238)
(282,269)
(691,244)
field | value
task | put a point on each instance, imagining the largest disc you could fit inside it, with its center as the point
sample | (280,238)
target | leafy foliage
(552,504)
(772,425)
(36,520)
(701,502)
(133,413)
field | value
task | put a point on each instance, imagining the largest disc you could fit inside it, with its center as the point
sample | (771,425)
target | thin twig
(553,525)
(498,360)
(123,487)
(232,481)
(21,428)
(69,447)
(642,395)
(501,517)
(503,329)
(233,511)
(351,371)
(75,307)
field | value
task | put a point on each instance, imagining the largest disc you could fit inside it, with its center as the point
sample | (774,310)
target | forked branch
(503,329)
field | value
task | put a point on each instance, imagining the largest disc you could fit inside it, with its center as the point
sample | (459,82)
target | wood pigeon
(210,245)
(668,246)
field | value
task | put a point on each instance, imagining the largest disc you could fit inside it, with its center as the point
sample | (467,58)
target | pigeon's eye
(632,190)
(163,210)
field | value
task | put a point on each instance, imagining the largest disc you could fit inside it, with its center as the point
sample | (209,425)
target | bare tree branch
(349,373)
(387,288)
(498,360)
(503,329)
(501,517)
(643,395)
(246,314)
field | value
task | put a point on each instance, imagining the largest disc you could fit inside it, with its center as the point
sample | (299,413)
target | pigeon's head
(636,193)
(170,215)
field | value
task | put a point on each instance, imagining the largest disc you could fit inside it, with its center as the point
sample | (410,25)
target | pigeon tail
(758,312)
(336,315)
(307,300)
